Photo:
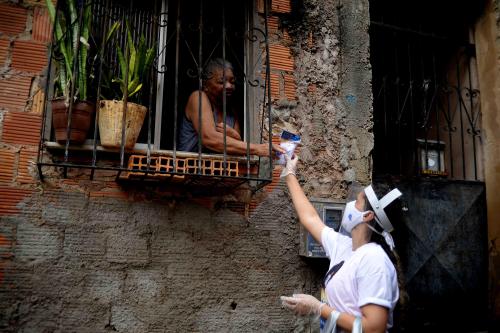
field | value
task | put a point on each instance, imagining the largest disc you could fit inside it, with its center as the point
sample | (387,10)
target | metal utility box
(331,213)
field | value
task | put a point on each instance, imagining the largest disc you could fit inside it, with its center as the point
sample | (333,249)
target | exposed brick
(4,50)
(7,160)
(275,182)
(281,6)
(10,197)
(310,40)
(12,19)
(312,88)
(275,85)
(29,56)
(14,92)
(42,27)
(275,30)
(289,86)
(14,278)
(21,128)
(280,58)
(26,173)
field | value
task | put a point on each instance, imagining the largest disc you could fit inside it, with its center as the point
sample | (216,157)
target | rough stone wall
(93,264)
(333,113)
(83,256)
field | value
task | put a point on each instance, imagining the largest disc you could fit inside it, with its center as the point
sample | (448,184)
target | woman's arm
(306,212)
(229,131)
(374,318)
(211,138)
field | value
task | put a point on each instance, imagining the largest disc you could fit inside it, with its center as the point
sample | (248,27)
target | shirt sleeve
(335,244)
(377,283)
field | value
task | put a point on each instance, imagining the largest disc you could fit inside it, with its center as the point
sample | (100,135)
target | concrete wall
(488,58)
(90,256)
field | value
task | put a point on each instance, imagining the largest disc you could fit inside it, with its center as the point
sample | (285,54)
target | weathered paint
(488,52)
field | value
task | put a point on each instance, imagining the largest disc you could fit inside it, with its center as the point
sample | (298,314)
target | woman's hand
(302,304)
(262,149)
(229,131)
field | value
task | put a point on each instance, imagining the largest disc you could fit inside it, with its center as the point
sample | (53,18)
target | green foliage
(67,37)
(135,62)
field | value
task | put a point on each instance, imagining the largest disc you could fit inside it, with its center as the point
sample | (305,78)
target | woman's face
(214,86)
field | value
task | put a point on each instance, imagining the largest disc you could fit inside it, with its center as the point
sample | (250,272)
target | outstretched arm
(230,131)
(211,138)
(307,214)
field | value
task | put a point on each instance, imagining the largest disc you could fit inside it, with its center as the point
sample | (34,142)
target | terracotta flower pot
(81,118)
(110,123)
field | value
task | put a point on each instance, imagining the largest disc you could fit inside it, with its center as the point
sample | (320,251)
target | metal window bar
(224,79)
(423,104)
(200,85)
(155,29)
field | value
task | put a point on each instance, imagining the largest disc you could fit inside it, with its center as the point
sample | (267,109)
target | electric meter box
(330,213)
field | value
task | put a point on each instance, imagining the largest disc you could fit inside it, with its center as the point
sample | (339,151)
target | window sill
(186,168)
(142,149)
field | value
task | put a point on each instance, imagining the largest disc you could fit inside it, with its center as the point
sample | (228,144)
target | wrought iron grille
(426,99)
(185,36)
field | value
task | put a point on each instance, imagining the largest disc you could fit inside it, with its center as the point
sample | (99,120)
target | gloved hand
(290,167)
(302,305)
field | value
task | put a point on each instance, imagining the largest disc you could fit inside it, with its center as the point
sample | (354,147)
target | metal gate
(441,237)
(428,143)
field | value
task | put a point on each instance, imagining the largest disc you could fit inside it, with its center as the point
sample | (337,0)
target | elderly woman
(217,75)
(361,285)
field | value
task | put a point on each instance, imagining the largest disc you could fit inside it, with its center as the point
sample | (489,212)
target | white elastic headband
(379,205)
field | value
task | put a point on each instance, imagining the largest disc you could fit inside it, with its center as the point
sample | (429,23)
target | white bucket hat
(378,207)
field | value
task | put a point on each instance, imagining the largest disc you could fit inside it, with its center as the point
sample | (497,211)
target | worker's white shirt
(366,277)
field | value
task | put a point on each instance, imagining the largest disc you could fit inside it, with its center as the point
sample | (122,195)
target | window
(185,36)
(425,90)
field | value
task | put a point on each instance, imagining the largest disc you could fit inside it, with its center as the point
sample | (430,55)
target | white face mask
(352,217)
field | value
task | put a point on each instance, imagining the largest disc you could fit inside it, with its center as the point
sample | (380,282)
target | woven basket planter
(110,123)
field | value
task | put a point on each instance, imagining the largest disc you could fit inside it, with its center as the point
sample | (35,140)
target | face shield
(381,218)
(352,216)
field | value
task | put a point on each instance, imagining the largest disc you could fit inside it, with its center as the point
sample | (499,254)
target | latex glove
(302,305)
(290,167)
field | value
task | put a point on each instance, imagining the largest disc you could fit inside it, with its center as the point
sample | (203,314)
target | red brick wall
(77,232)
(281,60)
(25,31)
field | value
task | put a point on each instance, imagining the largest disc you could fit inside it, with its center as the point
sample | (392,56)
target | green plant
(134,62)
(68,35)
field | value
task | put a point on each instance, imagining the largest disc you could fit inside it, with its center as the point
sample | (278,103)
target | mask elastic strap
(387,236)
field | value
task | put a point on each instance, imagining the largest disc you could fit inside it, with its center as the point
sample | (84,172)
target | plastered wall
(487,33)
(77,255)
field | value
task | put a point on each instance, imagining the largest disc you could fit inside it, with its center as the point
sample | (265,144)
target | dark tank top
(188,137)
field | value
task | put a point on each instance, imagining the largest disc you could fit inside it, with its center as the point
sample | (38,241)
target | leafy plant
(68,35)
(134,62)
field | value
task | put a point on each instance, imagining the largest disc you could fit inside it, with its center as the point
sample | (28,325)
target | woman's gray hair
(213,65)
